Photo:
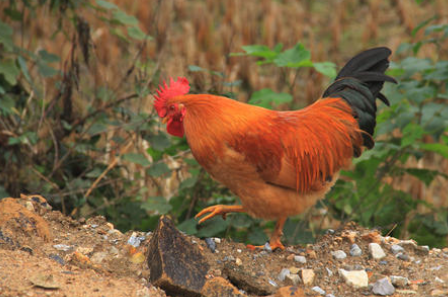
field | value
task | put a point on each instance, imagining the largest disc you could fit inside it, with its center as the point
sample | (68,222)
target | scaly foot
(272,245)
(219,209)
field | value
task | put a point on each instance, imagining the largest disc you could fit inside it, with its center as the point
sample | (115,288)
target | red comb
(175,88)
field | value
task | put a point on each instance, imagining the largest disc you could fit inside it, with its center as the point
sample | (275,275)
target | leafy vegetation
(91,146)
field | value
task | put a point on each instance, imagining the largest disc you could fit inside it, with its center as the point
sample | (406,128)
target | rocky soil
(43,253)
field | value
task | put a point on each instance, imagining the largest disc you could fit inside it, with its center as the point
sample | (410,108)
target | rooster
(279,163)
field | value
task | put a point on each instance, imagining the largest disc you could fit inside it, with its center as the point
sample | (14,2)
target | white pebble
(355,250)
(217,240)
(318,290)
(282,275)
(238,251)
(395,248)
(300,259)
(356,278)
(376,251)
(339,255)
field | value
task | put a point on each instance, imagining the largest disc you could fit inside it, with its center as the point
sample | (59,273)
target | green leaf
(257,236)
(326,68)
(239,220)
(295,57)
(194,68)
(267,98)
(97,128)
(157,204)
(188,226)
(421,25)
(6,36)
(136,33)
(45,70)
(10,71)
(439,148)
(188,183)
(13,14)
(212,227)
(3,193)
(124,18)
(136,158)
(48,57)
(158,169)
(261,51)
(107,5)
(411,133)
(94,173)
(24,68)
(425,175)
(159,142)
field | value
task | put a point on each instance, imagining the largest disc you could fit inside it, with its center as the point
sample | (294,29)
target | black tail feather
(359,83)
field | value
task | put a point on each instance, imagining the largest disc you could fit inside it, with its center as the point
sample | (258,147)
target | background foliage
(77,125)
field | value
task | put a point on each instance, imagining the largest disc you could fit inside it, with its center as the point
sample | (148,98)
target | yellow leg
(274,242)
(219,209)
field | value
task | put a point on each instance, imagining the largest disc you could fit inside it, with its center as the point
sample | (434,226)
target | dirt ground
(43,253)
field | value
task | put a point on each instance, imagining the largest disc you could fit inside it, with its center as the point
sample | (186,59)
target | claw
(273,246)
(218,210)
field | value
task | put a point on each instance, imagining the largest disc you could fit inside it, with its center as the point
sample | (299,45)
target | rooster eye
(172,107)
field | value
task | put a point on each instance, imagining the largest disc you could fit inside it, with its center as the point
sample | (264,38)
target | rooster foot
(274,245)
(219,209)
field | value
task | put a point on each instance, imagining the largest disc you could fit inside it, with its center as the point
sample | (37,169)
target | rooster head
(172,113)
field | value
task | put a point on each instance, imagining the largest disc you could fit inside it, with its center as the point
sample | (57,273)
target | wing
(303,149)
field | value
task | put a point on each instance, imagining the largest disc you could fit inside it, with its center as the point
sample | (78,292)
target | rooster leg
(274,242)
(218,210)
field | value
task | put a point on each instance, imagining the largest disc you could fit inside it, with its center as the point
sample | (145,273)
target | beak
(164,120)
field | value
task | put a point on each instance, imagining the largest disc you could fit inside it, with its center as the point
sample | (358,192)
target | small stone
(294,270)
(98,257)
(435,268)
(399,281)
(62,247)
(330,231)
(238,262)
(134,240)
(267,247)
(272,283)
(307,276)
(217,287)
(318,290)
(439,280)
(339,255)
(355,251)
(330,273)
(383,262)
(376,252)
(211,244)
(292,279)
(395,248)
(383,287)
(282,275)
(217,240)
(311,254)
(300,259)
(239,251)
(57,258)
(406,292)
(330,295)
(402,256)
(438,292)
(356,279)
